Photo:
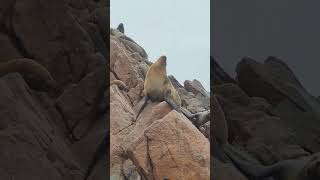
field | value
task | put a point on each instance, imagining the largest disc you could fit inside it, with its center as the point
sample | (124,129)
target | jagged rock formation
(269,115)
(162,143)
(70,39)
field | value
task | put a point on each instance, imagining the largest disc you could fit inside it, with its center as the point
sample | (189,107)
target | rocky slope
(268,115)
(161,143)
(70,39)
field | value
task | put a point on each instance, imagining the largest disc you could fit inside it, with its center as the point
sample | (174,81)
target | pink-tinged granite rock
(172,147)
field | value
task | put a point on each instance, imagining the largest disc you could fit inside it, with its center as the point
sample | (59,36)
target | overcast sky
(179,29)
(288,29)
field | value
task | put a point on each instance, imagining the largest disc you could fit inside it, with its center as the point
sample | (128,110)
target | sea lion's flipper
(202,118)
(120,28)
(249,169)
(146,98)
(188,114)
(101,150)
(172,104)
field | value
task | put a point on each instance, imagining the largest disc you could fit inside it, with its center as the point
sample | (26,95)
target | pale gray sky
(179,29)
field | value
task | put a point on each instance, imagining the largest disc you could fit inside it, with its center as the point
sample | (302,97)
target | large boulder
(195,87)
(269,116)
(69,49)
(32,145)
(276,82)
(172,147)
(250,126)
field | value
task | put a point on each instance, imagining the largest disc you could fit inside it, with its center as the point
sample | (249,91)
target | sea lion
(305,168)
(121,28)
(102,147)
(36,75)
(199,118)
(158,87)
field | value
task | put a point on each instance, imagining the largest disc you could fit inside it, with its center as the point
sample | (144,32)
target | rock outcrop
(270,116)
(161,143)
(275,82)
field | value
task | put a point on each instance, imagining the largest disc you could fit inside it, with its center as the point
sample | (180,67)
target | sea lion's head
(162,60)
(121,28)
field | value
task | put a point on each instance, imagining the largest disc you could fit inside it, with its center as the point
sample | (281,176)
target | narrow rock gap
(67,125)
(171,156)
(123,128)
(150,163)
(114,74)
(307,149)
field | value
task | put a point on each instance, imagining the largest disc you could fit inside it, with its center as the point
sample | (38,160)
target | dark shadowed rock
(218,74)
(269,114)
(251,126)
(70,39)
(67,44)
(8,50)
(270,80)
(225,171)
(275,81)
(78,103)
(31,135)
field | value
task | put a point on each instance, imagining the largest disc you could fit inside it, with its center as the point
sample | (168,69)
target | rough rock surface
(69,38)
(195,87)
(269,115)
(161,142)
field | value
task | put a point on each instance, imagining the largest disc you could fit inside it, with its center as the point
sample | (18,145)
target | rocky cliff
(161,143)
(268,116)
(70,39)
